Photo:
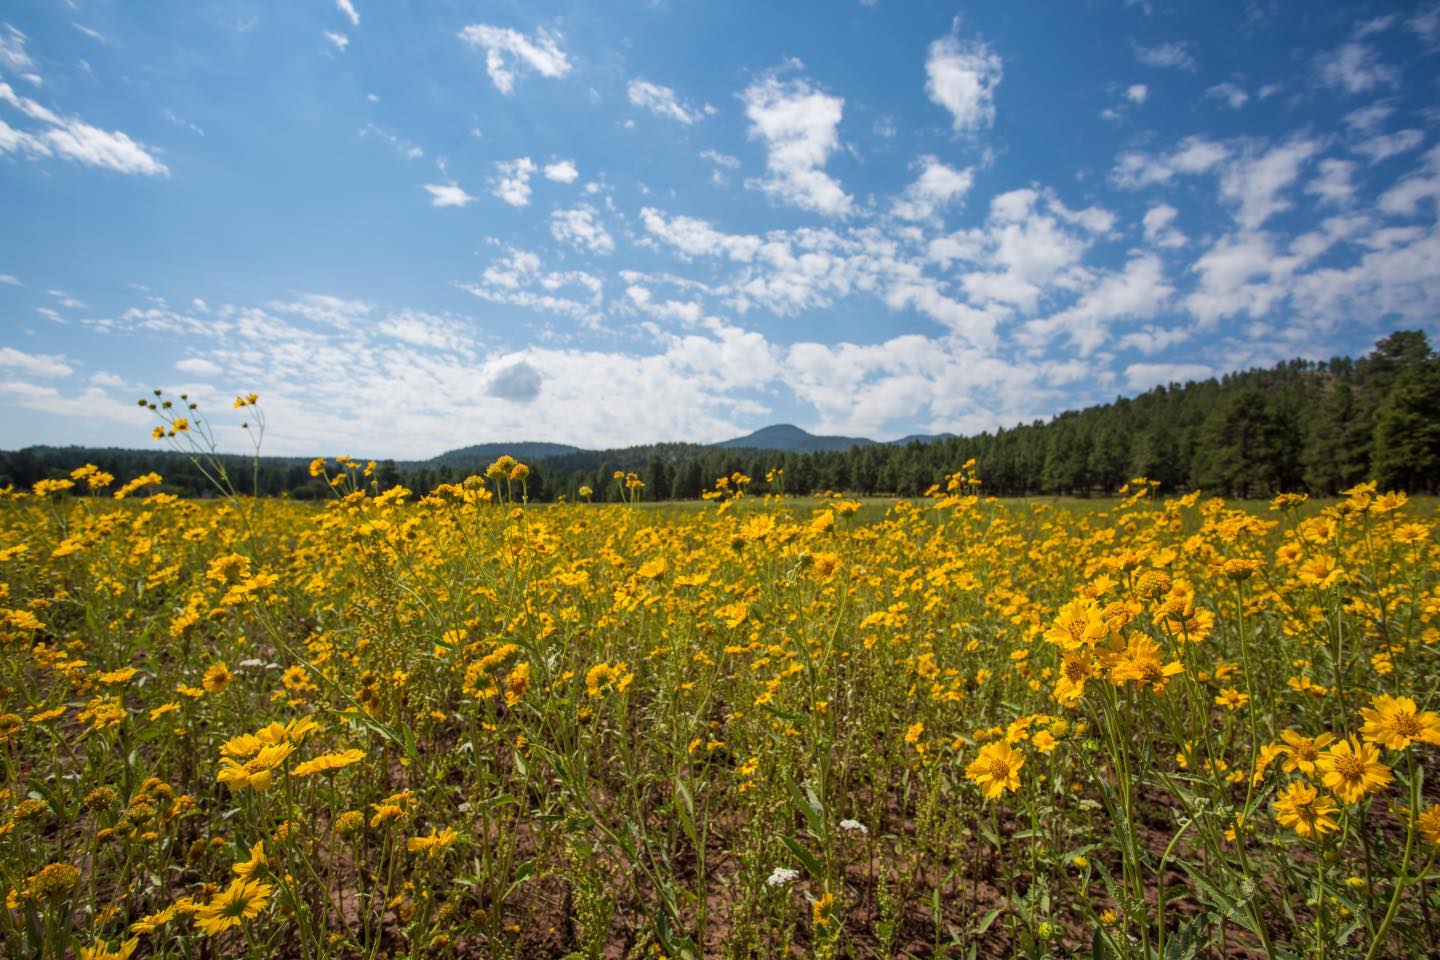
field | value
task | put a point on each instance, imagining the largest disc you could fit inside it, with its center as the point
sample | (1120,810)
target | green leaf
(810,810)
(812,866)
(685,809)
(1230,908)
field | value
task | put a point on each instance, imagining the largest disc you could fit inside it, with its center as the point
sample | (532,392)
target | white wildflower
(782,877)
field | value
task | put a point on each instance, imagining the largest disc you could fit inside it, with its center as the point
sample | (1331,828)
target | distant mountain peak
(791,439)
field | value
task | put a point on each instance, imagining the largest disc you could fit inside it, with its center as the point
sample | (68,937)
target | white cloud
(1404,198)
(1172,55)
(518,280)
(448,195)
(561,171)
(1232,93)
(10,280)
(519,382)
(13,56)
(662,102)
(73,139)
(507,50)
(198,366)
(962,77)
(1367,120)
(697,238)
(339,40)
(799,125)
(1152,339)
(35,364)
(422,329)
(1024,252)
(325,309)
(1378,148)
(1426,25)
(581,229)
(1192,155)
(938,186)
(1159,225)
(1355,68)
(90,32)
(1255,183)
(348,8)
(720,159)
(401,146)
(513,185)
(1137,93)
(1143,376)
(1236,277)
(1137,291)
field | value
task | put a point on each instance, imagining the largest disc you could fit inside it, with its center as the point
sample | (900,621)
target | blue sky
(410,227)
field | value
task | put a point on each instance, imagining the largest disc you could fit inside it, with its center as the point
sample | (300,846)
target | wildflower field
(448,723)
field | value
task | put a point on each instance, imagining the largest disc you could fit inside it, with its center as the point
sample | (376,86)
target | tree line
(1300,425)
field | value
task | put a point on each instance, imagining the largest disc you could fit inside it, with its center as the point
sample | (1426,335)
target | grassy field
(448,724)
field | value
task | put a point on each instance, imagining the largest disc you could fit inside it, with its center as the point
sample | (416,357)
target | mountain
(483,454)
(925,438)
(791,439)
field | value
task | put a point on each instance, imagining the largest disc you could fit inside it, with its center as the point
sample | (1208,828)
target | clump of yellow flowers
(456,723)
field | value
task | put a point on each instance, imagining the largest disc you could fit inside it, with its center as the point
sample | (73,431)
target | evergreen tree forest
(1300,426)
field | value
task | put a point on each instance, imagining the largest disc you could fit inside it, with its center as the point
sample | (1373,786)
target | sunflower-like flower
(996,769)
(327,762)
(1352,769)
(253,774)
(1396,722)
(1302,753)
(1306,811)
(242,900)
(433,843)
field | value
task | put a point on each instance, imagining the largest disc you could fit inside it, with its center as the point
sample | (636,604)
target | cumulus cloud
(1333,184)
(1378,148)
(1355,68)
(72,139)
(561,171)
(1175,56)
(1193,155)
(348,8)
(519,382)
(447,195)
(513,183)
(1233,95)
(580,227)
(962,77)
(1159,226)
(518,279)
(1257,181)
(1143,376)
(1139,290)
(937,187)
(35,364)
(800,127)
(695,237)
(662,101)
(423,329)
(199,366)
(508,51)
(13,56)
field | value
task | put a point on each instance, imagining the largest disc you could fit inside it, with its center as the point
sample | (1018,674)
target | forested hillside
(1298,426)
